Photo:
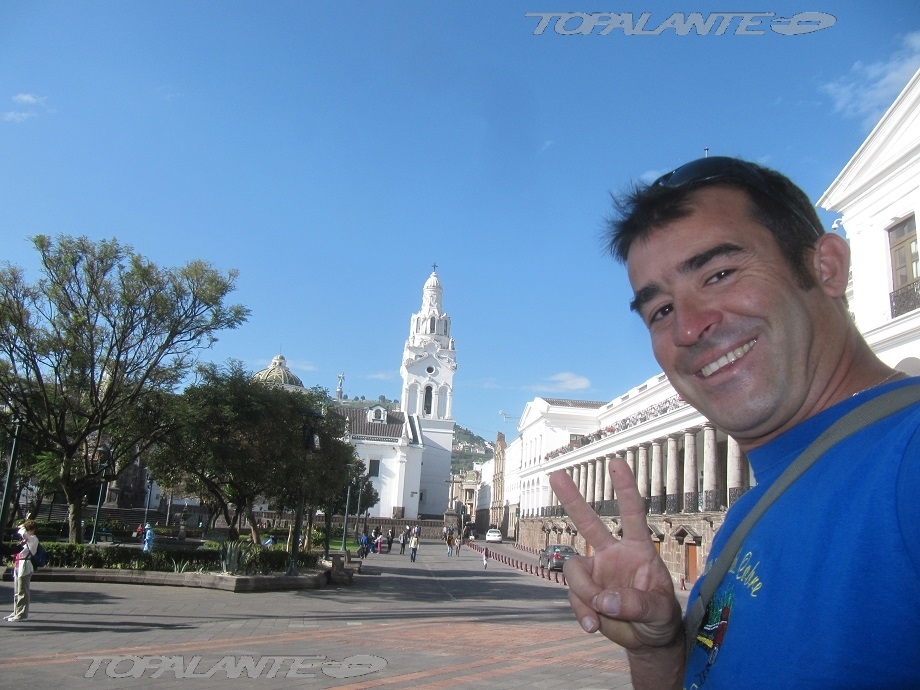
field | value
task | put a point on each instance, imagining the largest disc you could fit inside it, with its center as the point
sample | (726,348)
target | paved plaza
(440,622)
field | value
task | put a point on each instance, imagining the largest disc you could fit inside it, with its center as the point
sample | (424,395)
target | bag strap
(866,414)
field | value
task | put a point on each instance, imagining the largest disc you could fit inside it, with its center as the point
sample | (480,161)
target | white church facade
(407,451)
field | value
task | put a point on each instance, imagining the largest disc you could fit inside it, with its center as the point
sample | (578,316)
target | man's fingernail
(588,624)
(607,603)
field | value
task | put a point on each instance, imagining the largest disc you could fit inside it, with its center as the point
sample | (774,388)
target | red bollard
(563,578)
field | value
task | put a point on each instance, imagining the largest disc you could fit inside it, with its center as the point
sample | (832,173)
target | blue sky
(332,151)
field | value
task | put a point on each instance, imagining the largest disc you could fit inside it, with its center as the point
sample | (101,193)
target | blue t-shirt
(825,591)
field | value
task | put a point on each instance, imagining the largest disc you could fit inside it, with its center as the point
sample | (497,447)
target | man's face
(730,325)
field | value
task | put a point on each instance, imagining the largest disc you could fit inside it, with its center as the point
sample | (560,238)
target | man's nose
(694,319)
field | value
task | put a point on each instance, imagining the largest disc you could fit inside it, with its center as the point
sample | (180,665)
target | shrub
(251,561)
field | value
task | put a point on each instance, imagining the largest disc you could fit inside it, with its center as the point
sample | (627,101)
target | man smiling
(743,296)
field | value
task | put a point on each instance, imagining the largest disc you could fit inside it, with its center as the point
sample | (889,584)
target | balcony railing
(905,299)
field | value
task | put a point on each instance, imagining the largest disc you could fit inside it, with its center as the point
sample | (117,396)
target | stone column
(672,500)
(600,478)
(631,460)
(583,480)
(642,477)
(691,486)
(576,476)
(657,492)
(735,471)
(590,481)
(710,469)
(608,485)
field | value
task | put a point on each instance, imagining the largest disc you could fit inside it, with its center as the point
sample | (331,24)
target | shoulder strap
(866,414)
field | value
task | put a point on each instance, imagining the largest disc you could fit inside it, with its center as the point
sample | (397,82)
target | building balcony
(905,299)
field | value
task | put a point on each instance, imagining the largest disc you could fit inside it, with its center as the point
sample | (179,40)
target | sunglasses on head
(725,169)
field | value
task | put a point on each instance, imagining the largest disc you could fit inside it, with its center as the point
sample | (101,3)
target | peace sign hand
(624,590)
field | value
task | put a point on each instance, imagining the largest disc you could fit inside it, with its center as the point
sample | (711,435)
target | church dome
(278,374)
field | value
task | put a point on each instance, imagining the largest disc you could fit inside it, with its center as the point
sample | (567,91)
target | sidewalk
(437,623)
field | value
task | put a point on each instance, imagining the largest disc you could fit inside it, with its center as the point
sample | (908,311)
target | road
(437,623)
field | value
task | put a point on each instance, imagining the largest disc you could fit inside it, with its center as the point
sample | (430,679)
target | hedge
(252,561)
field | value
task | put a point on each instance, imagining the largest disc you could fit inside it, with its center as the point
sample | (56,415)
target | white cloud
(650,176)
(564,381)
(382,376)
(869,89)
(17,116)
(30,106)
(300,365)
(29,99)
(168,94)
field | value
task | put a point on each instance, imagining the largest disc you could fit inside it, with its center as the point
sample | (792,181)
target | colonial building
(877,195)
(407,451)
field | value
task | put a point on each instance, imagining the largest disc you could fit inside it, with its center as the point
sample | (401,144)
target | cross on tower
(434,268)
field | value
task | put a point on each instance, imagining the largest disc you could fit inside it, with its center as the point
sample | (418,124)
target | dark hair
(776,203)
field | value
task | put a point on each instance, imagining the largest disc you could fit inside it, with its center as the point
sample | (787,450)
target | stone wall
(682,539)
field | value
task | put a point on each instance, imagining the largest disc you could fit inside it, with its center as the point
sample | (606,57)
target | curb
(227,583)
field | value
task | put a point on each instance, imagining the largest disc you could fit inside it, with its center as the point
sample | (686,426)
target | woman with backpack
(22,571)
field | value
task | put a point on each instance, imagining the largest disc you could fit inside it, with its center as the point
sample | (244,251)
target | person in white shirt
(22,571)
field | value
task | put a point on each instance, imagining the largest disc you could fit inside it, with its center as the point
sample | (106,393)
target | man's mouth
(727,359)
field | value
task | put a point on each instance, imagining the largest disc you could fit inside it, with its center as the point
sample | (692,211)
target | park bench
(105,535)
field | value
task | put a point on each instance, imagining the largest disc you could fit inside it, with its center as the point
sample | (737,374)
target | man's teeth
(727,359)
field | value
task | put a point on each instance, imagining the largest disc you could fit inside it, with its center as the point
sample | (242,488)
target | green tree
(321,474)
(236,440)
(90,352)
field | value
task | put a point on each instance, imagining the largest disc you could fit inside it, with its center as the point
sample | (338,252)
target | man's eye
(660,313)
(720,275)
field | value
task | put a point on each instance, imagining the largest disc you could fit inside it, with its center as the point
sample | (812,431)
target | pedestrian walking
(389,540)
(22,571)
(413,547)
(402,543)
(485,558)
(148,538)
(450,544)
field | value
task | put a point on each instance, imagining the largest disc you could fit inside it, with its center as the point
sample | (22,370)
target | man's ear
(831,263)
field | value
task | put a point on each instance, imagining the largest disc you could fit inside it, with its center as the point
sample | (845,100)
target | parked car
(554,556)
(493,535)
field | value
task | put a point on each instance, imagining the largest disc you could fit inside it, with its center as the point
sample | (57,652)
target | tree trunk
(75,520)
(36,505)
(308,540)
(232,533)
(253,528)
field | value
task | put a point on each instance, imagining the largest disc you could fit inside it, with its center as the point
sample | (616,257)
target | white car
(493,535)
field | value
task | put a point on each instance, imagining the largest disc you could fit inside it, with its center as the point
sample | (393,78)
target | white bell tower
(427,370)
(429,358)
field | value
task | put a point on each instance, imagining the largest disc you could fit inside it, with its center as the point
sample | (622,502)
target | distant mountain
(469,449)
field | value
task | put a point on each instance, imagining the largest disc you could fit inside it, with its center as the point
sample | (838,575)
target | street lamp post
(345,519)
(149,491)
(310,442)
(358,511)
(8,486)
(103,466)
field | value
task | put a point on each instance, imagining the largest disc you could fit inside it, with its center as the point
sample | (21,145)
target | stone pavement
(440,622)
